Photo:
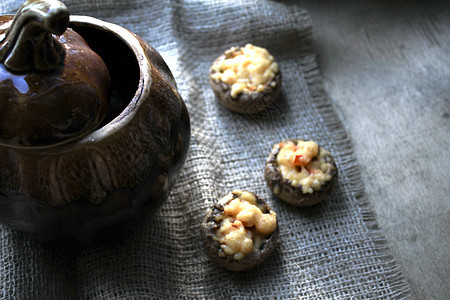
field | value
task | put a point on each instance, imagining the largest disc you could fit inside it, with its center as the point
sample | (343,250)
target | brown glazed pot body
(115,175)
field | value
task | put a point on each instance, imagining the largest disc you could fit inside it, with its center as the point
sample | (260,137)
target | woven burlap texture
(332,250)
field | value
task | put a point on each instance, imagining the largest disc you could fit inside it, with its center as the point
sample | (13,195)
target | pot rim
(145,78)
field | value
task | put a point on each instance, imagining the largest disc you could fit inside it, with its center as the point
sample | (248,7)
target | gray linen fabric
(332,250)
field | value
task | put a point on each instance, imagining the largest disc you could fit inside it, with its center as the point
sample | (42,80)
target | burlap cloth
(333,250)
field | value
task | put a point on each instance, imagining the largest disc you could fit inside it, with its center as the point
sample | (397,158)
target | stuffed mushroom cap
(245,79)
(240,231)
(301,173)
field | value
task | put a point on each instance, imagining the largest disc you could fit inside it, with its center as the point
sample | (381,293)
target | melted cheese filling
(304,165)
(248,69)
(243,225)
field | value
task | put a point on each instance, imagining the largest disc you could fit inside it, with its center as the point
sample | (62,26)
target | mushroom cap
(212,246)
(283,188)
(245,102)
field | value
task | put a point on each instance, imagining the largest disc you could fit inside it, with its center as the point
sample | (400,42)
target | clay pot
(112,176)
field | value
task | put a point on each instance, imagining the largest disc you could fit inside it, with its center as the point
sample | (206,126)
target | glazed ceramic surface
(114,174)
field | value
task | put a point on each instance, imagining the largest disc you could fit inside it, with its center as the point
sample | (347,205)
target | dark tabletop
(386,65)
